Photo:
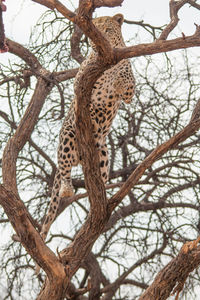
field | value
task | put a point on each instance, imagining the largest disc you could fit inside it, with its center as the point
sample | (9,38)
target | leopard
(115,85)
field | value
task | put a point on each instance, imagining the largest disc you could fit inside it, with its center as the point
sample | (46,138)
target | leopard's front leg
(104,162)
(124,82)
(67,157)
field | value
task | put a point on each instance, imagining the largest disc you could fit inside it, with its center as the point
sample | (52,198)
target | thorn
(183,35)
(197,28)
(59,257)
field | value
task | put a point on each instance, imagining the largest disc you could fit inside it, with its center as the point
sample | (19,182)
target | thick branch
(57,76)
(52,4)
(189,130)
(34,145)
(175,273)
(98,215)
(194,4)
(3,46)
(159,46)
(23,53)
(83,20)
(75,40)
(22,134)
(174,8)
(29,237)
(107,3)
(55,4)
(20,219)
(64,75)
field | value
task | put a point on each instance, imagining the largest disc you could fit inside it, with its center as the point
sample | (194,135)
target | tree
(152,202)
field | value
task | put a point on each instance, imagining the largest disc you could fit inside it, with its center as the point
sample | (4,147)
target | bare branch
(52,4)
(189,130)
(103,46)
(83,20)
(110,289)
(175,273)
(3,46)
(100,208)
(23,133)
(148,27)
(159,46)
(174,8)
(24,54)
(29,237)
(107,3)
(65,75)
(34,145)
(75,40)
(194,4)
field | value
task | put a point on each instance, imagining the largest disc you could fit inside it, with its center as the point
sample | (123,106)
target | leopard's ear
(119,18)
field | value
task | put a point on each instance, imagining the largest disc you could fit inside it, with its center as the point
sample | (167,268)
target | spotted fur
(115,85)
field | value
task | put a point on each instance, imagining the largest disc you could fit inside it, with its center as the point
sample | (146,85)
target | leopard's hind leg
(53,206)
(52,210)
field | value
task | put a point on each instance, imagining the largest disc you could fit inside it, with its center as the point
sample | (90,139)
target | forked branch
(174,7)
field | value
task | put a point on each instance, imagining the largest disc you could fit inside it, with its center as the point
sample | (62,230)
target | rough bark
(159,46)
(174,274)
(98,215)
